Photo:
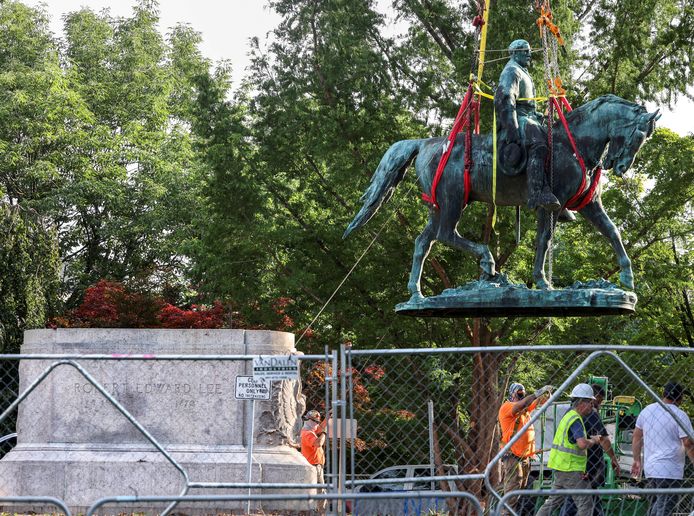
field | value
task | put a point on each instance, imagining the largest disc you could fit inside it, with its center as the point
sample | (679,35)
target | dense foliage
(29,281)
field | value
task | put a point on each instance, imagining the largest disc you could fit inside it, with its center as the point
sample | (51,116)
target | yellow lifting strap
(489,96)
(483,39)
(494,170)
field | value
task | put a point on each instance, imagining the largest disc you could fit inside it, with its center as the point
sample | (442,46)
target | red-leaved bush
(109,304)
(171,316)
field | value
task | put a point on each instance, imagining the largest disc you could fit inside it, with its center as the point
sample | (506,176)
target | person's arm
(607,448)
(636,448)
(316,439)
(320,429)
(320,440)
(689,448)
(605,442)
(577,432)
(520,406)
(529,402)
(584,443)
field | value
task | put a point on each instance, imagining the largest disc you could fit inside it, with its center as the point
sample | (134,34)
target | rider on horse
(521,127)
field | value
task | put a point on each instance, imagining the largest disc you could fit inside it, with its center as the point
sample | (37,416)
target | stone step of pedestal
(83,476)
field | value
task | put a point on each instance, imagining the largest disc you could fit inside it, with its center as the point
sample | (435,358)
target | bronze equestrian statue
(608,132)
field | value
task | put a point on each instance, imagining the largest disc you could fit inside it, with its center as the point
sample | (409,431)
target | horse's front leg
(595,213)
(448,234)
(542,242)
(422,246)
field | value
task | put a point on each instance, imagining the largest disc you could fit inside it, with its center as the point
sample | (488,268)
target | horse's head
(626,139)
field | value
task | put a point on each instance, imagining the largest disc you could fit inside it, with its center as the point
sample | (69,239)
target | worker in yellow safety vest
(568,457)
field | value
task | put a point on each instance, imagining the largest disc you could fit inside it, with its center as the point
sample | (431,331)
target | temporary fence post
(250,452)
(335,405)
(430,411)
(343,425)
(328,444)
(353,432)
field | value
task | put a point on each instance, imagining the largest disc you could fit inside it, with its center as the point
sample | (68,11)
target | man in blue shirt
(595,469)
(568,457)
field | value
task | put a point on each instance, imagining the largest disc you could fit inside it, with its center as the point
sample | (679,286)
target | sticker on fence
(250,388)
(276,367)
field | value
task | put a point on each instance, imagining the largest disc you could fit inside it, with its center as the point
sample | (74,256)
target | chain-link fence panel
(433,413)
(9,386)
(429,424)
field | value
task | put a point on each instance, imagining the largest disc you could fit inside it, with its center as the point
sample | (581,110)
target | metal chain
(554,57)
(545,53)
(550,118)
(550,257)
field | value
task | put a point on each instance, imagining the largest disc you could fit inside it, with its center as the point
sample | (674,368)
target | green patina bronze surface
(500,298)
(608,132)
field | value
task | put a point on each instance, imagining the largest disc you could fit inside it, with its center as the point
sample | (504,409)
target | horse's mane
(589,107)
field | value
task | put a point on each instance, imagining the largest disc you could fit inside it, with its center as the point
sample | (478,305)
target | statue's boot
(539,194)
(566,216)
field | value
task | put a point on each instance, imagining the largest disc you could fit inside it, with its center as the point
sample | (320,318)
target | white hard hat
(584,391)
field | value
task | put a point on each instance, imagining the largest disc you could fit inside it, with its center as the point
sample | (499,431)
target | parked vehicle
(408,471)
(414,505)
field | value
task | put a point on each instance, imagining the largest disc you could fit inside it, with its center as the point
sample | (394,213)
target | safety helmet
(313,415)
(583,391)
(514,388)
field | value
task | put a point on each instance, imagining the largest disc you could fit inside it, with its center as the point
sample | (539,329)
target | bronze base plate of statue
(500,298)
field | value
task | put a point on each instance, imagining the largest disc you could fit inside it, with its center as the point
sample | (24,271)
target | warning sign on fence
(276,367)
(249,388)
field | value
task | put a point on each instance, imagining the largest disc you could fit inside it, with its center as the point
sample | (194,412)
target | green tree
(640,50)
(39,117)
(132,198)
(29,280)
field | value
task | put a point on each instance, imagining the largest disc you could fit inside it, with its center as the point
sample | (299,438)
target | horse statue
(607,122)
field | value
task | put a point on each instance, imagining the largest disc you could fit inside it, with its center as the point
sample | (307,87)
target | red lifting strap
(576,203)
(460,122)
(580,199)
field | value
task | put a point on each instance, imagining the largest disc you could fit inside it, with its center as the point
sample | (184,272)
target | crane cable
(349,273)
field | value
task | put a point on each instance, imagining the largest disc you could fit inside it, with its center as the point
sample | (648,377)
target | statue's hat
(518,44)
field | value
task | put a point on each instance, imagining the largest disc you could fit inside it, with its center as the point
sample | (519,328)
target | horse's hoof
(417,297)
(566,216)
(543,285)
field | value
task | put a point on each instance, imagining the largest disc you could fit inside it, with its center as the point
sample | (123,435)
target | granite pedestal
(74,445)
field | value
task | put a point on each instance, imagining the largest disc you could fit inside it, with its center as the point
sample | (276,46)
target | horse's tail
(387,176)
